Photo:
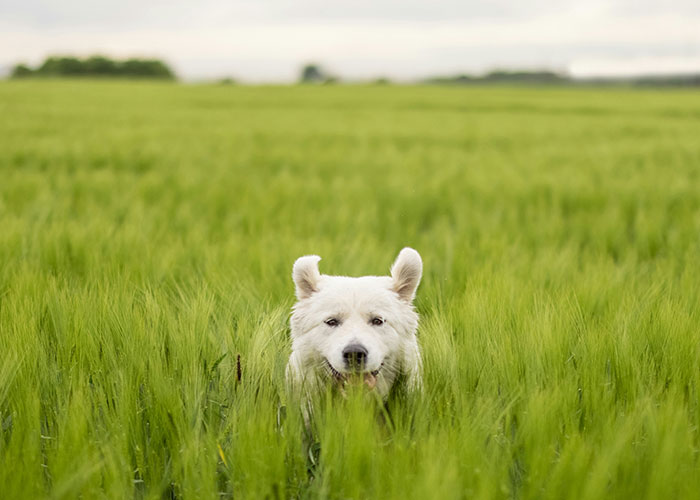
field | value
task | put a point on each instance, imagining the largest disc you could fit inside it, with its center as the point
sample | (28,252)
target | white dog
(355,329)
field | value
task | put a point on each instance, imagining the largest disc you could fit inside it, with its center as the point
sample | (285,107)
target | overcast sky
(268,40)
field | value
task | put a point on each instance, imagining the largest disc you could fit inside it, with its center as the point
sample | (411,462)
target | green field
(147,234)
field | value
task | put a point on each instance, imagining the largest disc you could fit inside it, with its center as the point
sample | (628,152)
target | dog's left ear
(406,272)
(306,276)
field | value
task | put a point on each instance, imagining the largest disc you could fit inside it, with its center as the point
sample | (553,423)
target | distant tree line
(689,80)
(553,78)
(312,73)
(98,66)
(503,76)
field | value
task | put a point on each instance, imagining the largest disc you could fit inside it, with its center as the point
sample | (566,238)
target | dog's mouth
(368,378)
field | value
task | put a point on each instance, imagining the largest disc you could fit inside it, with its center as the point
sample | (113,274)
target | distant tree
(61,66)
(150,68)
(100,65)
(382,80)
(21,71)
(312,73)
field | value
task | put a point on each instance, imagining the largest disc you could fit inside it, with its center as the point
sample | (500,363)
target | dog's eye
(332,322)
(377,321)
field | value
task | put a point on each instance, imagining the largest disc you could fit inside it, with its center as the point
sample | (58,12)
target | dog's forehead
(356,293)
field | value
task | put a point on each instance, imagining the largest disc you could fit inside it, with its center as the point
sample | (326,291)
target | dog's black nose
(355,355)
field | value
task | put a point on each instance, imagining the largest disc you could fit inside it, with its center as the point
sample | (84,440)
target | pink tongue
(370,380)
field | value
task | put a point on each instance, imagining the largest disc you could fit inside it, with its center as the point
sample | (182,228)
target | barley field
(147,234)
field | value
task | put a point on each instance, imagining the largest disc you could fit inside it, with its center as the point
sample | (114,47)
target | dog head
(346,329)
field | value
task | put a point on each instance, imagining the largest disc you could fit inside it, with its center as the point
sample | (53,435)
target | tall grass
(147,233)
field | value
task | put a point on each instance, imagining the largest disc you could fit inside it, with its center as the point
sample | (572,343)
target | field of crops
(147,234)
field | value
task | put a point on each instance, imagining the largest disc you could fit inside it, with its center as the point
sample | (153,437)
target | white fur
(392,347)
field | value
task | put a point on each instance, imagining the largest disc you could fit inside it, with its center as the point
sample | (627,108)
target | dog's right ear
(306,276)
(406,273)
